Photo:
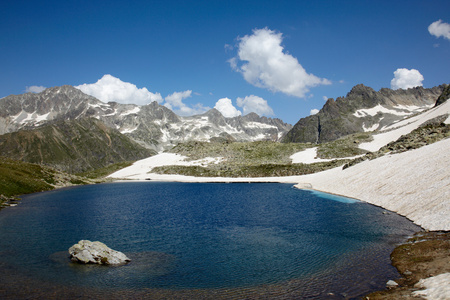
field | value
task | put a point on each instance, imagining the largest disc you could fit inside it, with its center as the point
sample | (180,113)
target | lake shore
(414,184)
(392,182)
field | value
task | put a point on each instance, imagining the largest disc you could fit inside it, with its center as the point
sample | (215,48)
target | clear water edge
(266,233)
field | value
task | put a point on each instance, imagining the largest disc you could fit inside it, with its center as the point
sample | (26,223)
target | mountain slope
(17,177)
(153,126)
(362,110)
(72,146)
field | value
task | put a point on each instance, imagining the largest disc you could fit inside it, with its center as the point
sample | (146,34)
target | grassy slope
(17,178)
(250,159)
(72,146)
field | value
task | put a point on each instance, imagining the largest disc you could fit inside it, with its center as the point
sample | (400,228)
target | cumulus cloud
(405,79)
(226,108)
(325,98)
(175,102)
(313,111)
(110,88)
(34,89)
(263,63)
(439,29)
(176,99)
(254,104)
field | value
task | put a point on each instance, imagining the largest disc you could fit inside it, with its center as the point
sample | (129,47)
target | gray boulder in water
(87,252)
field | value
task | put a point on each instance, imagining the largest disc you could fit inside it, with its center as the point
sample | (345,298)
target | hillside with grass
(18,178)
(72,146)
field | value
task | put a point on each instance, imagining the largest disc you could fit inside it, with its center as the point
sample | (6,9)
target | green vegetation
(422,256)
(263,170)
(17,178)
(241,153)
(21,178)
(244,159)
(344,147)
(72,146)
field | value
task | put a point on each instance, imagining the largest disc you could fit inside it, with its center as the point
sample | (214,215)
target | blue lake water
(203,237)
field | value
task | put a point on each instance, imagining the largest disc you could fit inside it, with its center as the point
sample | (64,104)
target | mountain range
(73,132)
(153,126)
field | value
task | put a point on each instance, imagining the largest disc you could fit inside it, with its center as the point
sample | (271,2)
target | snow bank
(309,156)
(140,169)
(415,184)
(436,287)
(393,132)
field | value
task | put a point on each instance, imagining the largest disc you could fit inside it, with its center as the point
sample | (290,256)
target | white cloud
(325,98)
(226,108)
(110,88)
(254,104)
(313,111)
(34,89)
(176,99)
(265,65)
(439,29)
(405,79)
(174,102)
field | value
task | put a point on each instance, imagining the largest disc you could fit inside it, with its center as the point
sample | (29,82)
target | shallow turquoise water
(196,235)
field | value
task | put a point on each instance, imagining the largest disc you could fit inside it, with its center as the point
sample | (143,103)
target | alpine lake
(198,241)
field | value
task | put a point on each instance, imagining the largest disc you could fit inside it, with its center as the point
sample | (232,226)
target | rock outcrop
(87,252)
(362,109)
(444,96)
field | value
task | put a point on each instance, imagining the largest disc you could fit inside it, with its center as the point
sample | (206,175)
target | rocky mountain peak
(152,126)
(363,109)
(360,90)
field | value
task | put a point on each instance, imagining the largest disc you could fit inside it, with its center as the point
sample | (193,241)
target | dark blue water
(184,236)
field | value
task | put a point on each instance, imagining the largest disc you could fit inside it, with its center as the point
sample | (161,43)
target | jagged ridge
(362,110)
(153,125)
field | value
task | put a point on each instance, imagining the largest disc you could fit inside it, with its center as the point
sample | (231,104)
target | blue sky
(278,58)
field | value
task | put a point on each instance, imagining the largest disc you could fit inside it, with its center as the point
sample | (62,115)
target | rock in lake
(87,252)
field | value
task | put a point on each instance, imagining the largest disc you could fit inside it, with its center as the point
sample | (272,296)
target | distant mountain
(72,146)
(153,126)
(362,110)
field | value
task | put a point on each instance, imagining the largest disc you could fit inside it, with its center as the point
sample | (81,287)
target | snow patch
(404,127)
(42,118)
(436,287)
(371,128)
(360,113)
(413,108)
(24,117)
(259,125)
(123,131)
(140,169)
(309,156)
(131,111)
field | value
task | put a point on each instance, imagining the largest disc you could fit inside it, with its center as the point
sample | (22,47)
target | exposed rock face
(444,96)
(153,126)
(363,109)
(87,252)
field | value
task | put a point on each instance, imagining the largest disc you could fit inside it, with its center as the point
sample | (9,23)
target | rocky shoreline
(423,256)
(8,201)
